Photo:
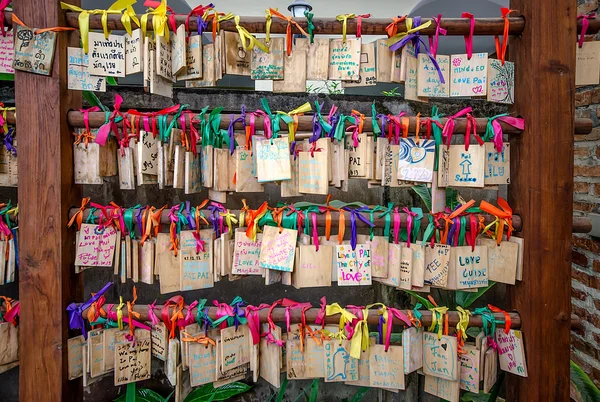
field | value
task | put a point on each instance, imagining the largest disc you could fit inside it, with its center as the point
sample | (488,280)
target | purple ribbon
(356,213)
(75,311)
(334,122)
(317,129)
(232,122)
(293,149)
(191,221)
(380,328)
(202,25)
(384,120)
(237,313)
(8,142)
(138,217)
(451,231)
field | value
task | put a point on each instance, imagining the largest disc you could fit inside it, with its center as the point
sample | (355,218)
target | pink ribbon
(320,320)
(393,312)
(516,122)
(152,315)
(199,242)
(254,321)
(471,125)
(3,5)
(112,315)
(469,38)
(584,25)
(266,123)
(223,309)
(271,339)
(315,230)
(397,222)
(14,311)
(189,317)
(449,126)
(434,41)
(290,305)
(409,223)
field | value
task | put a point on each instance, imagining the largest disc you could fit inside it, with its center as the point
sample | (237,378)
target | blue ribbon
(75,311)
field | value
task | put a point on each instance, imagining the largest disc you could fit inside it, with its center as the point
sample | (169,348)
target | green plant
(481,397)
(208,393)
(141,395)
(393,92)
(582,387)
(424,193)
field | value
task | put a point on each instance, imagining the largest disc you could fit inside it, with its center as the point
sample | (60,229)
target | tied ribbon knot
(434,41)
(356,213)
(310,26)
(170,322)
(201,339)
(230,314)
(359,332)
(160,25)
(254,321)
(291,119)
(507,319)
(248,40)
(343,18)
(320,320)
(152,315)
(78,217)
(202,318)
(448,129)
(585,23)
(501,50)
(410,216)
(437,314)
(469,37)
(198,12)
(288,34)
(393,312)
(461,328)
(503,218)
(359,19)
(471,126)
(345,317)
(75,310)
(494,128)
(392,28)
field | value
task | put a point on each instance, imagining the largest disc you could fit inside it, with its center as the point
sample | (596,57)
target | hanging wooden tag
(246,181)
(384,61)
(406,263)
(390,166)
(278,249)
(246,254)
(364,369)
(339,366)
(416,161)
(220,56)
(123,261)
(411,80)
(268,66)
(587,70)
(358,156)
(466,168)
(272,277)
(337,164)
(270,358)
(472,267)
(159,85)
(11,260)
(147,152)
(289,188)
(183,388)
(386,368)
(397,73)
(178,64)
(367,71)
(78,75)
(444,167)
(134,43)
(91,163)
(437,261)
(203,364)
(417,265)
(273,160)
(412,342)
(126,169)
(317,57)
(132,360)
(237,59)
(469,368)
(313,268)
(469,77)
(221,170)
(393,262)
(345,175)
(128,265)
(195,269)
(9,165)
(379,254)
(497,164)
(172,361)
(235,346)
(96,249)
(511,351)
(217,259)
(159,337)
(438,195)
(75,357)
(169,272)
(227,255)
(111,337)
(116,263)
(490,369)
(7,53)
(440,356)
(353,266)
(501,80)
(193,176)
(370,165)
(344,59)
(428,77)
(380,149)
(442,388)
(163,243)
(502,260)
(107,56)
(294,79)
(520,242)
(164,58)
(193,330)
(207,165)
(193,59)
(312,171)
(208,69)
(9,343)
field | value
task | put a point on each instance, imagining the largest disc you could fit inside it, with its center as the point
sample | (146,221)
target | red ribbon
(507,320)
(359,23)
(471,125)
(170,322)
(501,52)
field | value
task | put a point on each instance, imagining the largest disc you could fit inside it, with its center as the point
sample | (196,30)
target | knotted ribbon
(75,310)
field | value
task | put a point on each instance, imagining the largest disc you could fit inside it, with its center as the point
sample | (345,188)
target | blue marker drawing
(341,374)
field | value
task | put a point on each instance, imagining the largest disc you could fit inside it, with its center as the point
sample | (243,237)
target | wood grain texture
(46,279)
(542,192)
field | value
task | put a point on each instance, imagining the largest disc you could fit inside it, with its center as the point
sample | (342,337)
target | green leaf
(281,393)
(130,394)
(111,81)
(360,394)
(466,299)
(582,386)
(93,100)
(421,299)
(152,396)
(7,77)
(314,390)
(206,392)
(473,332)
(424,193)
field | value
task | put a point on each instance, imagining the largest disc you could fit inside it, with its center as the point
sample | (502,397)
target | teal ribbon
(324,124)
(429,230)
(213,127)
(310,26)
(376,128)
(273,117)
(340,128)
(416,224)
(128,218)
(388,220)
(489,128)
(181,218)
(91,217)
(488,320)
(437,133)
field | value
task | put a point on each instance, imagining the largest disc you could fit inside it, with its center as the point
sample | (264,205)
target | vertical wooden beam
(46,280)
(542,193)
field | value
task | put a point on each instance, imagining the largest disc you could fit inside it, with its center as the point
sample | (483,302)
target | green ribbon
(213,127)
(181,218)
(340,129)
(489,128)
(230,320)
(3,212)
(437,133)
(128,218)
(91,217)
(463,231)
(388,220)
(372,216)
(274,117)
(429,230)
(376,128)
(310,26)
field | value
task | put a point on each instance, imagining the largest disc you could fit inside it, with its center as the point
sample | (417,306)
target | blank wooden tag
(370,165)
(502,260)
(146,261)
(246,181)
(344,59)
(588,64)
(313,268)
(246,254)
(312,171)
(128,261)
(178,66)
(132,360)
(217,259)
(172,358)
(520,242)
(107,55)
(511,350)
(469,77)
(91,163)
(289,188)
(193,59)
(295,73)
(270,359)
(438,195)
(273,160)
(445,389)
(193,177)
(224,170)
(169,272)
(490,369)
(497,164)
(466,168)
(317,58)
(437,261)
(412,342)
(75,357)
(380,147)
(384,61)
(235,346)
(126,170)
(417,265)
(227,246)
(220,55)
(123,262)
(9,343)
(3,262)
(163,243)
(358,156)
(278,249)
(111,337)
(472,269)
(339,366)
(444,166)
(208,69)
(268,66)
(428,77)
(207,165)
(337,163)
(134,44)
(367,71)
(164,60)
(440,356)
(469,368)
(501,80)
(396,72)
(237,59)
(386,368)
(379,247)
(416,161)
(203,364)
(117,255)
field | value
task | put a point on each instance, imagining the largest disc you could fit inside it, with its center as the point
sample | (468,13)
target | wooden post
(46,279)
(542,193)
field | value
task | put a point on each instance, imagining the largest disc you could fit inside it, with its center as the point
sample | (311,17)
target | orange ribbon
(18,21)
(503,216)
(507,319)
(131,313)
(462,209)
(204,340)
(288,34)
(392,28)
(501,52)
(78,217)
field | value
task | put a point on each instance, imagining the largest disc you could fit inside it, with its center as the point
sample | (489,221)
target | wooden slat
(542,192)
(46,279)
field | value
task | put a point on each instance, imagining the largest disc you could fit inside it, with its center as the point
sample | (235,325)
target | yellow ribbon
(434,320)
(345,316)
(292,120)
(384,312)
(120,313)
(247,39)
(463,322)
(229,218)
(360,339)
(84,18)
(14,211)
(409,30)
(269,18)
(159,21)
(5,110)
(343,18)
(128,16)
